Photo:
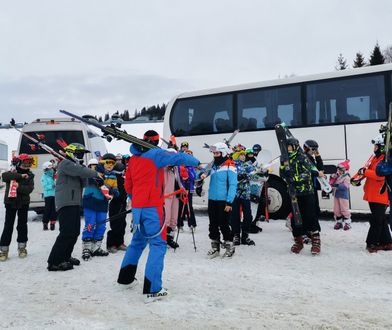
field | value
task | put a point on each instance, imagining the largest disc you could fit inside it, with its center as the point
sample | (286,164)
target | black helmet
(293,142)
(257,148)
(109,156)
(311,144)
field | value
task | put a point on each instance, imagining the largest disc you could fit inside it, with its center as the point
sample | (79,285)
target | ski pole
(112,218)
(193,237)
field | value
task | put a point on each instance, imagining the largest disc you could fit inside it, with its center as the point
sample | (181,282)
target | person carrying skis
(70,181)
(95,207)
(19,185)
(299,175)
(379,236)
(115,236)
(340,182)
(49,188)
(242,200)
(221,194)
(144,185)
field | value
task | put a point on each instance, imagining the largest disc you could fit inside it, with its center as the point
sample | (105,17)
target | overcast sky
(98,56)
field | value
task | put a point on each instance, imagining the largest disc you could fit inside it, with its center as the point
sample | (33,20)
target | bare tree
(388,54)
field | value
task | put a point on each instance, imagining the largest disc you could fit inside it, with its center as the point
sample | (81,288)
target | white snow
(264,286)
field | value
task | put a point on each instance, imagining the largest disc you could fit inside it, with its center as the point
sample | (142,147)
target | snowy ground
(260,287)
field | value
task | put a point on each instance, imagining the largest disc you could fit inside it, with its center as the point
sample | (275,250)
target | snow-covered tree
(342,63)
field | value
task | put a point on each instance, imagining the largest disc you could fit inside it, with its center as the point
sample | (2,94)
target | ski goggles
(108,162)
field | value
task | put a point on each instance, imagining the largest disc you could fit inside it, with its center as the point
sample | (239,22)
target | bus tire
(279,201)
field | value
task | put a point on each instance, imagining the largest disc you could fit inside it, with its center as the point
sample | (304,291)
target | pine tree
(106,118)
(359,61)
(376,56)
(100,119)
(126,115)
(342,63)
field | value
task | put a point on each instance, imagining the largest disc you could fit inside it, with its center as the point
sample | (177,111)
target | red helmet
(23,157)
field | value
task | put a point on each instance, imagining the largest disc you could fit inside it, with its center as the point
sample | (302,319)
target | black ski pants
(379,230)
(10,216)
(236,224)
(219,221)
(188,212)
(262,202)
(115,236)
(50,210)
(69,219)
(310,221)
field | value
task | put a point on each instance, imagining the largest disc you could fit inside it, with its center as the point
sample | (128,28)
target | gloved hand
(361,171)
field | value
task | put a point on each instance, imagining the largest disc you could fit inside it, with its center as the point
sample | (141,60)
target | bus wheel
(279,201)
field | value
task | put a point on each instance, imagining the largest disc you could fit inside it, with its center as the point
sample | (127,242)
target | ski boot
(298,244)
(97,251)
(170,238)
(87,247)
(122,247)
(347,224)
(74,261)
(338,224)
(3,253)
(372,248)
(151,297)
(53,225)
(316,243)
(245,240)
(112,249)
(22,252)
(236,239)
(215,247)
(45,226)
(230,249)
(62,267)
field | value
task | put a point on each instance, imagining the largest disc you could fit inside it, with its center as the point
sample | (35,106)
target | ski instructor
(144,185)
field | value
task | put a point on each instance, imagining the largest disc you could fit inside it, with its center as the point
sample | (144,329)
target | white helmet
(220,147)
(47,165)
(379,139)
(92,161)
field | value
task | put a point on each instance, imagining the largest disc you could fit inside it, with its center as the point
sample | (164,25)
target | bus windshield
(50,138)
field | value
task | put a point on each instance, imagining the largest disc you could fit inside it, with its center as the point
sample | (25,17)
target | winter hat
(345,164)
(109,156)
(92,161)
(47,165)
(237,154)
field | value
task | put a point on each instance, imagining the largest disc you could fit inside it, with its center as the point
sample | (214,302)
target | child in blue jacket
(48,186)
(96,204)
(221,194)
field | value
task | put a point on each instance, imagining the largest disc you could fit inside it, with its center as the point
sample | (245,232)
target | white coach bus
(341,110)
(49,131)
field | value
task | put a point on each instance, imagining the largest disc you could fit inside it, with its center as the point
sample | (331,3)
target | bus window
(3,152)
(50,138)
(346,100)
(268,107)
(207,115)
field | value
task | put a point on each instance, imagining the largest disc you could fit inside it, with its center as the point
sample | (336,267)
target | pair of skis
(281,135)
(324,184)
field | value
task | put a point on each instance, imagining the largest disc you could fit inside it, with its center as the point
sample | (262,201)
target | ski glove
(361,171)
